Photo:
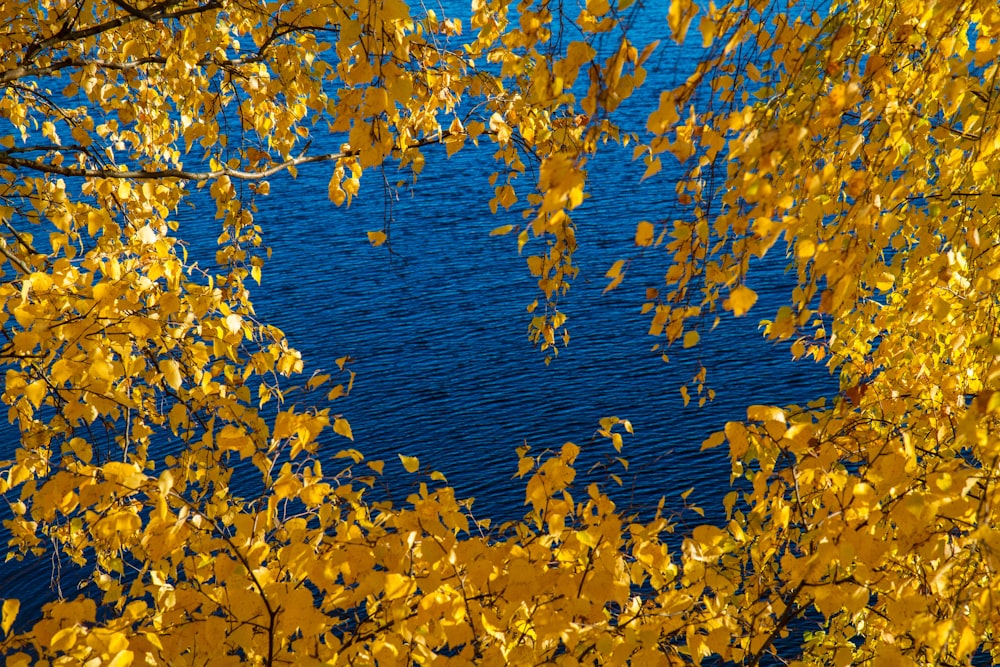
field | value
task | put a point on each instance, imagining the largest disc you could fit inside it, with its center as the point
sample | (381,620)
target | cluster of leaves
(861,139)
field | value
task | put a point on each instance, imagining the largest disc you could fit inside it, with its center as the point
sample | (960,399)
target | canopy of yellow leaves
(862,142)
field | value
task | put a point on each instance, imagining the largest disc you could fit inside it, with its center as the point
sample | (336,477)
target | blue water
(438,334)
(438,330)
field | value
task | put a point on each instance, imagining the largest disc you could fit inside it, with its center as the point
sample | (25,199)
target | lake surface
(438,330)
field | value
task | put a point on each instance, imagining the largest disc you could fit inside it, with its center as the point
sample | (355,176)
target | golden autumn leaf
(679,17)
(410,463)
(342,427)
(35,392)
(616,273)
(501,230)
(171,373)
(741,299)
(644,233)
(765,413)
(10,608)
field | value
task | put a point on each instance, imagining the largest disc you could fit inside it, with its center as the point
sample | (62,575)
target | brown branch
(134,64)
(23,71)
(67,34)
(792,610)
(134,11)
(185,175)
(14,259)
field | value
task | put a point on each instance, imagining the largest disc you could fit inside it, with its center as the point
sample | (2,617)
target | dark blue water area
(437,329)
(438,333)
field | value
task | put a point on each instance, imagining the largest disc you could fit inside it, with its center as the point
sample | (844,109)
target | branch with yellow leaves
(9,160)
(68,32)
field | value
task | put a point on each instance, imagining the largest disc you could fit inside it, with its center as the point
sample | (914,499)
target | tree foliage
(861,141)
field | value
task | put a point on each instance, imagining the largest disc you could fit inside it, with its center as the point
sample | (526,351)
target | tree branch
(792,610)
(66,63)
(158,12)
(182,174)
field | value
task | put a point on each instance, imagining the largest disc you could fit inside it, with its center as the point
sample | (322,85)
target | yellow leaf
(287,486)
(63,640)
(500,128)
(691,339)
(377,238)
(980,170)
(644,232)
(314,494)
(713,440)
(410,463)
(352,454)
(681,13)
(647,52)
(10,609)
(885,281)
(171,373)
(123,658)
(524,466)
(653,167)
(616,275)
(36,392)
(740,300)
(805,248)
(147,235)
(397,586)
(317,380)
(234,323)
(342,427)
(762,413)
(664,118)
(335,191)
(598,7)
(522,239)
(614,283)
(501,230)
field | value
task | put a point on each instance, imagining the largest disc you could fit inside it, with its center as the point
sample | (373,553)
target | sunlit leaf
(10,608)
(410,463)
(644,233)
(342,427)
(740,300)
